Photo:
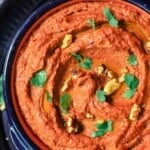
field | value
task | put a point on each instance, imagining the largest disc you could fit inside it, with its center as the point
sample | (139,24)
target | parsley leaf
(2,104)
(106,125)
(39,79)
(65,101)
(109,125)
(129,93)
(102,128)
(85,63)
(98,133)
(111,19)
(131,81)
(48,96)
(100,94)
(132,60)
(77,57)
(91,23)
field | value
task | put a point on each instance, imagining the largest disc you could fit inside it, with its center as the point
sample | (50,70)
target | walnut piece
(66,41)
(134,113)
(111,86)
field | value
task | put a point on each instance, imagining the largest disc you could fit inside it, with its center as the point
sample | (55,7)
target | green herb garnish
(65,101)
(132,60)
(2,103)
(48,96)
(132,82)
(39,79)
(91,23)
(77,57)
(102,128)
(129,93)
(85,63)
(100,94)
(111,19)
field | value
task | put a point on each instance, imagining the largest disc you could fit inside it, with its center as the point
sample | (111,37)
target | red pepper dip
(82,77)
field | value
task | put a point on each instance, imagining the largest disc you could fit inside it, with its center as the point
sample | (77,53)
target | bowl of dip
(77,76)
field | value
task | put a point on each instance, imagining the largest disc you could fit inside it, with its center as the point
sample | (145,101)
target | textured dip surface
(82,78)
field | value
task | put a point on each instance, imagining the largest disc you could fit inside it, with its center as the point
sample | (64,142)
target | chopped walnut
(65,85)
(100,69)
(74,74)
(67,41)
(124,70)
(72,127)
(69,122)
(100,121)
(121,78)
(147,47)
(111,86)
(110,74)
(89,116)
(134,113)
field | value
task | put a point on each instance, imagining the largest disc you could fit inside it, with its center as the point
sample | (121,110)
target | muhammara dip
(82,78)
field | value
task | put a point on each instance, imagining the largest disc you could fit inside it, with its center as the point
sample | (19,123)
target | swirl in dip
(82,77)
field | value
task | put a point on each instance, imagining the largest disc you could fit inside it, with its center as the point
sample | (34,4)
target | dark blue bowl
(18,138)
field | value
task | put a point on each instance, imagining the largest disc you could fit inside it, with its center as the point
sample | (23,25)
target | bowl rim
(31,22)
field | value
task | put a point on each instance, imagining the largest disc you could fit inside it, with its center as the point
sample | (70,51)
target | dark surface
(8,27)
(3,139)
(4,6)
